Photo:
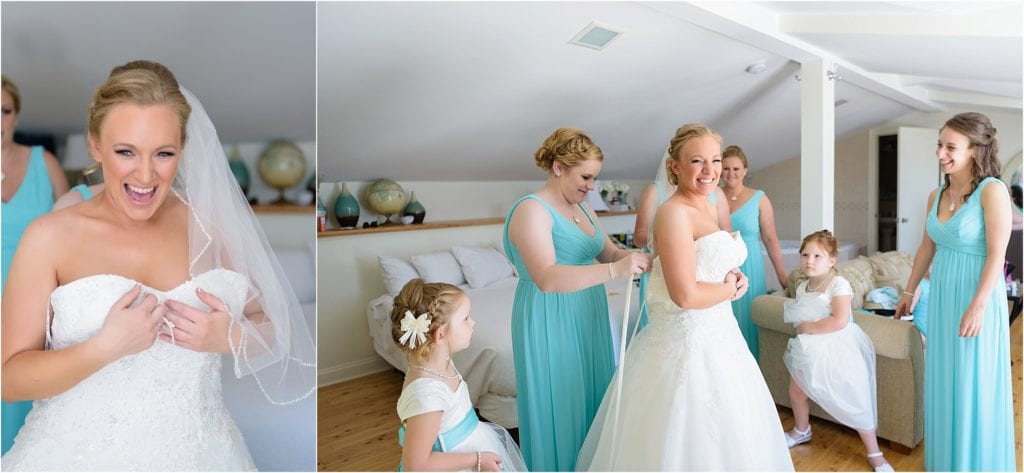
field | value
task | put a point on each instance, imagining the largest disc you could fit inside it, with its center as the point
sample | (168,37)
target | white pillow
(482,266)
(439,267)
(396,272)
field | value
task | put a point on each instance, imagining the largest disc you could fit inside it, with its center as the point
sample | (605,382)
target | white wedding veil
(665,190)
(270,341)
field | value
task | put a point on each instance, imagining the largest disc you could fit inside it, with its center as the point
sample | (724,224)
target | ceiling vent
(596,35)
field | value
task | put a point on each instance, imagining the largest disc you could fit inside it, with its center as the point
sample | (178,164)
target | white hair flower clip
(414,329)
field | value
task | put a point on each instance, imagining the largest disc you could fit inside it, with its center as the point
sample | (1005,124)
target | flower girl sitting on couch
(440,430)
(831,360)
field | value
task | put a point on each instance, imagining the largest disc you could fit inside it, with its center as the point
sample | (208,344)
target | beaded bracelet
(478,460)
(905,293)
(610,275)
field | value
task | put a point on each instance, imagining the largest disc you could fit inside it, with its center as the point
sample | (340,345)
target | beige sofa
(898,348)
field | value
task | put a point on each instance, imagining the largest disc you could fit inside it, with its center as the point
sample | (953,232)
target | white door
(917,175)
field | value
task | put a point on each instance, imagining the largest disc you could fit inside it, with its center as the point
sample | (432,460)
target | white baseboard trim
(351,370)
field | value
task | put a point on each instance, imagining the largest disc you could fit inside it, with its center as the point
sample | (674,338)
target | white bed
(791,259)
(487,365)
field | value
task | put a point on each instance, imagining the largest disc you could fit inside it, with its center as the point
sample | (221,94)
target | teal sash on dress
(449,439)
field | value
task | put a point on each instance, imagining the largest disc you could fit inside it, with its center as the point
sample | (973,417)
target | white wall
(781,182)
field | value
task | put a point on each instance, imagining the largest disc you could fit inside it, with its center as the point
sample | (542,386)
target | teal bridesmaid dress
(33,198)
(747,221)
(562,348)
(968,397)
(662,196)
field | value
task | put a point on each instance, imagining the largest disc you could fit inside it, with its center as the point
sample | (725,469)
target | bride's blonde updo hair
(438,300)
(568,146)
(140,83)
(685,133)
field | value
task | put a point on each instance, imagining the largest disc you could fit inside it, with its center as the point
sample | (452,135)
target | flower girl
(831,360)
(440,430)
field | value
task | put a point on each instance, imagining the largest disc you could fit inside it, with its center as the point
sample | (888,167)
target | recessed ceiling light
(596,35)
(757,68)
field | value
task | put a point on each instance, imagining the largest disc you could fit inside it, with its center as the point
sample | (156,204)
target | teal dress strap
(84,190)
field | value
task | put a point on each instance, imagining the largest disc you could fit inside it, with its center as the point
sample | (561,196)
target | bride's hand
(197,329)
(128,330)
(742,283)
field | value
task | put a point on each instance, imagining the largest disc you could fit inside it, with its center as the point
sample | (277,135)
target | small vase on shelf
(239,170)
(346,209)
(415,209)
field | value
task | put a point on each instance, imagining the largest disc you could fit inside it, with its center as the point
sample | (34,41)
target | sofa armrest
(896,339)
(766,312)
(892,338)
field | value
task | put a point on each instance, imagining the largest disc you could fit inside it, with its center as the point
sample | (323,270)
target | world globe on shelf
(385,197)
(281,165)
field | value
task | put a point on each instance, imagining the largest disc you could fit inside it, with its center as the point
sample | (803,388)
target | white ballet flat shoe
(884,466)
(803,437)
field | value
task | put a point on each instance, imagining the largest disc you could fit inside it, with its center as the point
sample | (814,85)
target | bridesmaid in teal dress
(561,336)
(754,218)
(31,179)
(968,396)
(652,198)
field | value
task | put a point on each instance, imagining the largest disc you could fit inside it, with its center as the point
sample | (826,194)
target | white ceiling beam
(974,98)
(1004,22)
(757,26)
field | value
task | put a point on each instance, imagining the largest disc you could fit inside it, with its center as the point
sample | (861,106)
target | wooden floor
(357,428)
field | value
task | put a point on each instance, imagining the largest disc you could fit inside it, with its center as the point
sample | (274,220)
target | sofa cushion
(861,276)
(891,269)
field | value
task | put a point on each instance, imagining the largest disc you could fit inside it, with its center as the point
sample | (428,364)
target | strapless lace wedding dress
(693,398)
(157,410)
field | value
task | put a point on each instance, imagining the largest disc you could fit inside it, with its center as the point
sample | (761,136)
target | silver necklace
(822,283)
(439,374)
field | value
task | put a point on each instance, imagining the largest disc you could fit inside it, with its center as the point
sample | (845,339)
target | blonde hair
(10,88)
(568,146)
(982,135)
(825,239)
(438,300)
(139,83)
(733,151)
(685,133)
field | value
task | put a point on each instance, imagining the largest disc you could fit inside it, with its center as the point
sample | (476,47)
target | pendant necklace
(438,373)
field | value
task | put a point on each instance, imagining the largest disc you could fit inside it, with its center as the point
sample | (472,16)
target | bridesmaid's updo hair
(825,240)
(685,133)
(733,151)
(568,146)
(139,83)
(10,88)
(979,131)
(438,300)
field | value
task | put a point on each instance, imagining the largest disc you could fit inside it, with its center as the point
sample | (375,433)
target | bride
(693,398)
(117,310)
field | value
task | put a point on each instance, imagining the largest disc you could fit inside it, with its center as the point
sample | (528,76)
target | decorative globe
(282,165)
(385,197)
